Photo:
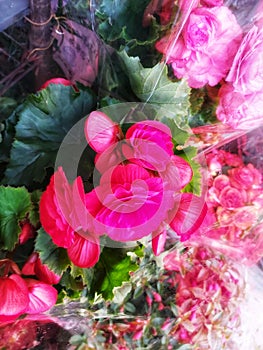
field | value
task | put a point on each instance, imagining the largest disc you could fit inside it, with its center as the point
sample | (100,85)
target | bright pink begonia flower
(64,218)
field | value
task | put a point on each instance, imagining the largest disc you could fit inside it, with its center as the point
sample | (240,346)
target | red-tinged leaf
(41,296)
(62,81)
(101,132)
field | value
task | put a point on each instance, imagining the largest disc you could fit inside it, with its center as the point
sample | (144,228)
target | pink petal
(13,296)
(41,296)
(158,242)
(44,274)
(185,172)
(29,267)
(101,131)
(84,253)
(189,215)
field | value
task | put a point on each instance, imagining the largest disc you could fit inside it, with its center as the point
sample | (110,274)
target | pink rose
(246,71)
(231,198)
(239,111)
(204,52)
(245,177)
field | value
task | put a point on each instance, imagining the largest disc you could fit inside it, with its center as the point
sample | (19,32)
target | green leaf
(194,185)
(34,213)
(54,257)
(112,269)
(14,205)
(44,120)
(122,20)
(152,85)
(7,105)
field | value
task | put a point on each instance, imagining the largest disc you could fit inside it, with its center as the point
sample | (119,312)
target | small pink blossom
(237,110)
(231,198)
(245,177)
(204,52)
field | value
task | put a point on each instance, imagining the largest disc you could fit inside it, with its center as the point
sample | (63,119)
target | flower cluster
(204,51)
(235,200)
(21,295)
(138,192)
(207,296)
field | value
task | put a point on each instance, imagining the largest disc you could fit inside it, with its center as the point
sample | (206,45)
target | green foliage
(44,120)
(122,20)
(54,257)
(152,85)
(34,213)
(15,203)
(112,269)
(7,105)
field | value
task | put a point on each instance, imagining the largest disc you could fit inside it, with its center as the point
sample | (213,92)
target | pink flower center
(198,35)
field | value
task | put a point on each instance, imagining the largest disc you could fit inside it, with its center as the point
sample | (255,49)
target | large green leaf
(15,203)
(152,85)
(44,120)
(112,269)
(54,257)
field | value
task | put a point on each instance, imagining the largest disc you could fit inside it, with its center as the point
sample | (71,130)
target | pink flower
(204,52)
(231,198)
(130,202)
(245,177)
(246,71)
(64,217)
(237,110)
(220,182)
(208,288)
(34,266)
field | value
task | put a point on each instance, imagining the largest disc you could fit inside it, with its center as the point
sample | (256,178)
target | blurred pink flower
(204,52)
(246,71)
(208,288)
(245,177)
(64,217)
(231,198)
(237,110)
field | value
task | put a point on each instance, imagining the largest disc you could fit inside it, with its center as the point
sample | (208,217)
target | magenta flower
(130,202)
(204,52)
(64,217)
(245,177)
